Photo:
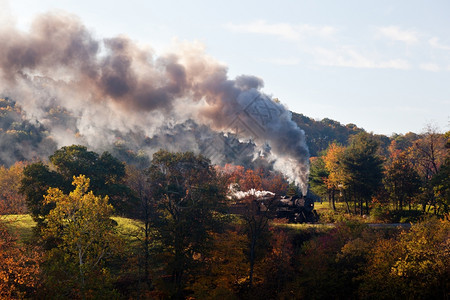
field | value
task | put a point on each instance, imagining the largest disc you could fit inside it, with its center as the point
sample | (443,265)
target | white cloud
(395,33)
(289,61)
(430,67)
(434,42)
(282,30)
(351,58)
(331,50)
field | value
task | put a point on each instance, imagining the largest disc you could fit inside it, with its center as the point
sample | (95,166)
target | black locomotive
(297,209)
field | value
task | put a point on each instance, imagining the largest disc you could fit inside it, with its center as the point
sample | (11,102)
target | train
(296,209)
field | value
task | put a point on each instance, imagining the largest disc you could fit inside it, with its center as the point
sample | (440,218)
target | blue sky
(383,65)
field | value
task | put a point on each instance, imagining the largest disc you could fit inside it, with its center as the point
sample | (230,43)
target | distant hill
(320,133)
(20,138)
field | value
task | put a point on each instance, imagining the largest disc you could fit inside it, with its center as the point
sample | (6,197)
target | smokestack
(114,85)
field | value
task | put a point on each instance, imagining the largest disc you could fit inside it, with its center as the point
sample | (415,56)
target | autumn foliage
(19,268)
(185,244)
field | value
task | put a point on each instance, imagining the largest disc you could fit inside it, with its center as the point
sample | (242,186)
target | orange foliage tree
(11,201)
(401,180)
(260,179)
(19,268)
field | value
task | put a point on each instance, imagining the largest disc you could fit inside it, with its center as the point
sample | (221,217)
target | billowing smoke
(116,85)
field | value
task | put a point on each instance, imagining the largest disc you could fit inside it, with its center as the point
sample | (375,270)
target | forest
(81,223)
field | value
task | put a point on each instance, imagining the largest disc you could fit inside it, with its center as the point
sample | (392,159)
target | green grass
(301,227)
(22,226)
(19,225)
(128,228)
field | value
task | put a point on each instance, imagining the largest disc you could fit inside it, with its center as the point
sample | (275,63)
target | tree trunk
(346,202)
(252,261)
(147,254)
(329,198)
(333,200)
(348,206)
(361,206)
(80,264)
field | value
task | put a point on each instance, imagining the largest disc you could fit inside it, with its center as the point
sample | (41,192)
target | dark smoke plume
(115,85)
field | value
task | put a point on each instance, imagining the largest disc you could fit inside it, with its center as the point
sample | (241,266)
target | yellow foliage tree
(84,233)
(336,178)
(416,265)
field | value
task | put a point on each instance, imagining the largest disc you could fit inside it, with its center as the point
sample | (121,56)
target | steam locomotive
(297,209)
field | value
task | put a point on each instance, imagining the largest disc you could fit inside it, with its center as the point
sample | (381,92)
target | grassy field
(22,226)
(308,227)
(19,225)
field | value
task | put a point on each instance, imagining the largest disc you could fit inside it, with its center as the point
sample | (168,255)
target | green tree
(37,179)
(106,173)
(318,175)
(80,222)
(188,196)
(363,169)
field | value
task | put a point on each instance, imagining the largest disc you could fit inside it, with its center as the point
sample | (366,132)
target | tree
(137,180)
(226,271)
(261,179)
(277,267)
(428,154)
(20,138)
(37,179)
(106,173)
(318,175)
(80,222)
(362,167)
(441,181)
(250,180)
(337,178)
(20,267)
(188,196)
(330,264)
(273,181)
(401,180)
(415,265)
(11,201)
(256,226)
